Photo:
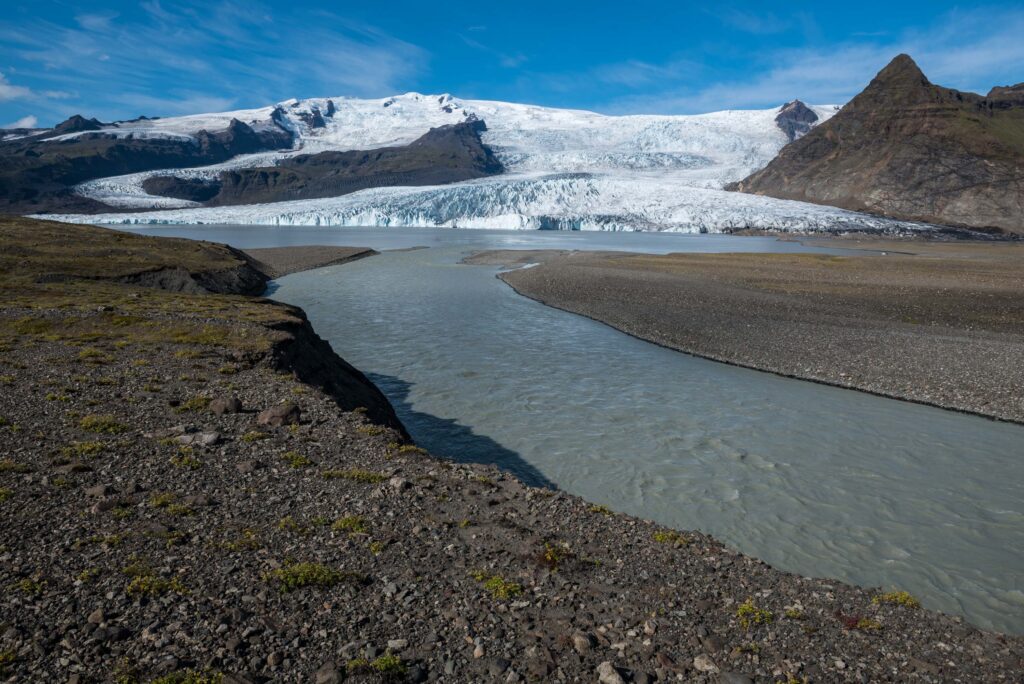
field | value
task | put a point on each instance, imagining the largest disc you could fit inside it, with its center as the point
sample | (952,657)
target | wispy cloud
(23,122)
(961,49)
(9,91)
(505,59)
(188,55)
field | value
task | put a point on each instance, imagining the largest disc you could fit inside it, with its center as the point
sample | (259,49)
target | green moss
(186,460)
(191,677)
(94,356)
(897,598)
(353,524)
(749,614)
(7,658)
(355,475)
(868,625)
(255,436)
(30,586)
(10,466)
(552,556)
(180,510)
(295,460)
(248,540)
(81,449)
(298,575)
(162,499)
(5,494)
(794,614)
(197,403)
(376,548)
(105,424)
(499,587)
(371,429)
(600,508)
(388,667)
(145,582)
(669,537)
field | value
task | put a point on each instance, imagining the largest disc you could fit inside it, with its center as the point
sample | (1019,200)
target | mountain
(908,149)
(346,161)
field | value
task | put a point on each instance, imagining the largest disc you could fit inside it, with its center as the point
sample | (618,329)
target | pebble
(607,674)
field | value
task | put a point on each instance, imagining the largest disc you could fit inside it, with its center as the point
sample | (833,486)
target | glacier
(565,169)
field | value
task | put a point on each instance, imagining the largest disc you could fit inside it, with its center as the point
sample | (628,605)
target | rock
(100,491)
(479,652)
(607,674)
(328,674)
(199,439)
(734,678)
(704,663)
(582,643)
(104,505)
(96,617)
(711,643)
(398,644)
(282,414)
(245,467)
(222,405)
(498,666)
(275,659)
(399,484)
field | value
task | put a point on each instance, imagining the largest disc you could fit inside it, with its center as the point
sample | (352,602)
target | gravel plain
(186,498)
(939,323)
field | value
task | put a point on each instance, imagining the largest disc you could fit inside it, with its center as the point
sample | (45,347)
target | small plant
(670,537)
(795,614)
(145,582)
(353,524)
(377,547)
(197,403)
(552,556)
(600,508)
(749,614)
(82,449)
(10,466)
(94,356)
(103,424)
(411,449)
(897,598)
(856,622)
(185,459)
(499,587)
(30,586)
(228,369)
(7,659)
(387,666)
(162,500)
(248,540)
(298,575)
(255,436)
(371,430)
(355,475)
(295,460)
(88,574)
(179,510)
(191,677)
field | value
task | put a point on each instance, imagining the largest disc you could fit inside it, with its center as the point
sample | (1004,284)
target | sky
(118,60)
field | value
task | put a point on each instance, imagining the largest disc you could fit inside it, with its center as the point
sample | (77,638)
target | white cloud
(9,91)
(192,53)
(23,122)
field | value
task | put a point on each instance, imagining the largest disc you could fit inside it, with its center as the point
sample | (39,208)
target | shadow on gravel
(446,438)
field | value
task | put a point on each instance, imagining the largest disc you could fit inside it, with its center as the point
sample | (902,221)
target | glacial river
(816,480)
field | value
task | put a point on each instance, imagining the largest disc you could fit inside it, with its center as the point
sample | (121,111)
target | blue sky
(118,60)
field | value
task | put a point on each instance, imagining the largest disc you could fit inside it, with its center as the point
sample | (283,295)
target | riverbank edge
(484,257)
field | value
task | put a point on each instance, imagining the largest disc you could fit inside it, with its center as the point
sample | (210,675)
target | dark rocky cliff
(37,173)
(912,150)
(443,155)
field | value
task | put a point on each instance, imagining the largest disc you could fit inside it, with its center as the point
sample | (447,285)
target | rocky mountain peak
(795,119)
(76,124)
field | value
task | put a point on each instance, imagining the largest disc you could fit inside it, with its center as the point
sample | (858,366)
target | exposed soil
(942,325)
(154,529)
